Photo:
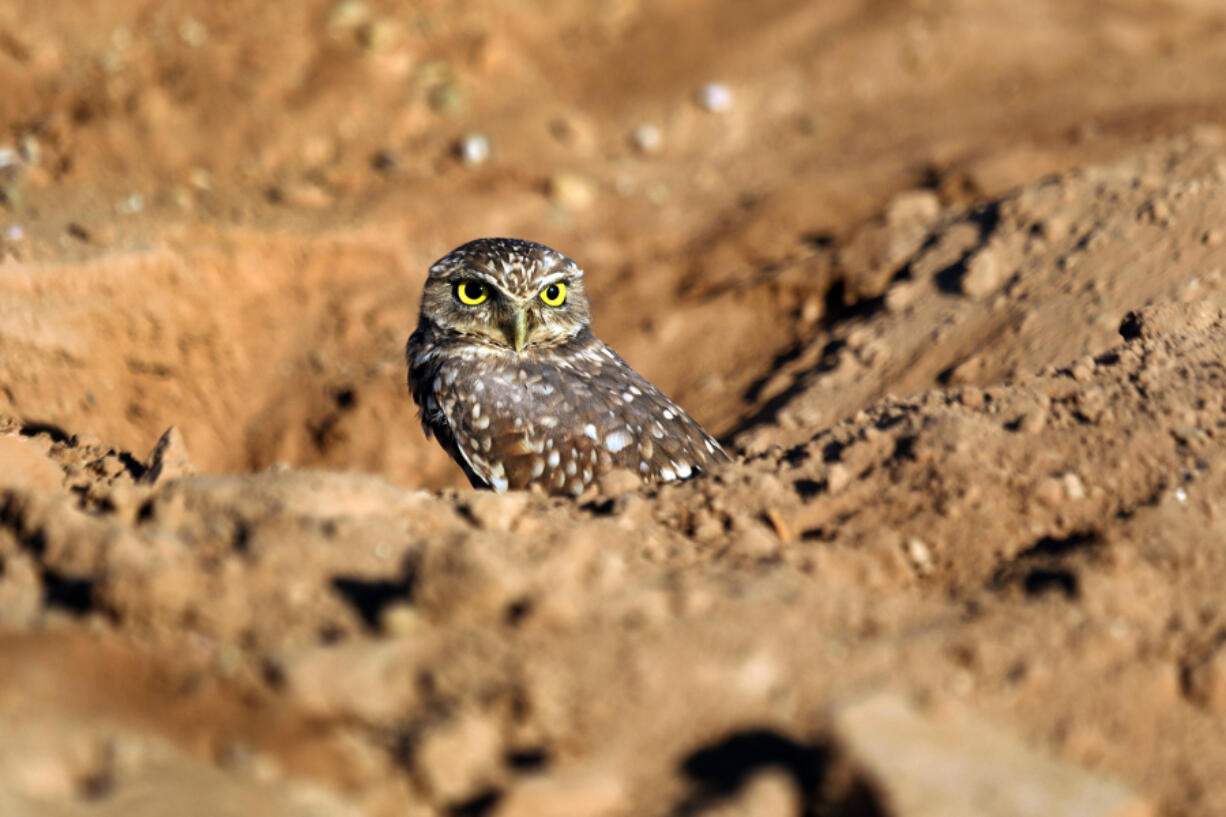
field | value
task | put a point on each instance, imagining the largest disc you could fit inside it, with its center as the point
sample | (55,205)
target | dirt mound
(946,277)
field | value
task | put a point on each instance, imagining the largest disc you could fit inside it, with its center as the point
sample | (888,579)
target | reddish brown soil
(947,277)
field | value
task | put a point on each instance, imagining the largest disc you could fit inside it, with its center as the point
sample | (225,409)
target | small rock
(715,97)
(647,139)
(837,478)
(901,295)
(770,793)
(1033,421)
(1073,486)
(920,555)
(984,274)
(566,794)
(347,15)
(1083,370)
(474,149)
(571,191)
(168,459)
(460,758)
(956,765)
(921,207)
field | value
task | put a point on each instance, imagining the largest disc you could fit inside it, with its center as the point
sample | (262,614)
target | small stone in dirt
(715,97)
(920,555)
(956,765)
(571,794)
(1083,369)
(473,150)
(770,793)
(347,15)
(1033,421)
(837,478)
(911,207)
(168,459)
(901,295)
(571,191)
(460,758)
(1073,486)
(984,274)
(646,138)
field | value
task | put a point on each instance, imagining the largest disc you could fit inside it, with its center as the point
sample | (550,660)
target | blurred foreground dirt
(947,275)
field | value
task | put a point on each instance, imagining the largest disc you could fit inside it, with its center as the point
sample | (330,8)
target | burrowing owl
(510,379)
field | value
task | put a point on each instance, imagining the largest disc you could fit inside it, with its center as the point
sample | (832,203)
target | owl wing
(587,416)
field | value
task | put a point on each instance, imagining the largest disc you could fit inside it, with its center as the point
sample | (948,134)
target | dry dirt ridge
(1016,576)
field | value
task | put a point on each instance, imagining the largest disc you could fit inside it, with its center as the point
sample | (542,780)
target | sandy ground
(947,276)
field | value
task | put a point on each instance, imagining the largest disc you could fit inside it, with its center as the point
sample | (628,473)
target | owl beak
(519,328)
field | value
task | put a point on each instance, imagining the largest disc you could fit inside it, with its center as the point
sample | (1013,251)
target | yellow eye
(472,293)
(554,294)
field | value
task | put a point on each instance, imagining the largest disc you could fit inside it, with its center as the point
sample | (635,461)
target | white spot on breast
(635,391)
(667,474)
(617,440)
(710,447)
(589,431)
(627,396)
(553,459)
(538,467)
(657,431)
(668,414)
(547,421)
(587,475)
(476,410)
(571,468)
(683,469)
(479,387)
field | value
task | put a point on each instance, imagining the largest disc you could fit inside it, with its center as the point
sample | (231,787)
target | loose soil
(946,276)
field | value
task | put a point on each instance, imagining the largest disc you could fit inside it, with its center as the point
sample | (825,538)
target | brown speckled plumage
(554,413)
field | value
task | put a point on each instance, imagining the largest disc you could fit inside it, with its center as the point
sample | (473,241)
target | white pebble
(646,138)
(473,149)
(715,97)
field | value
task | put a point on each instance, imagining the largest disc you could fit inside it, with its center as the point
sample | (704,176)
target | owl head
(506,293)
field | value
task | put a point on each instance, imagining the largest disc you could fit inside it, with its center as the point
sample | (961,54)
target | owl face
(506,293)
